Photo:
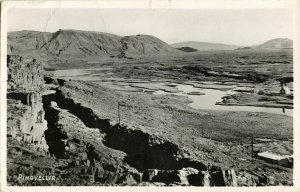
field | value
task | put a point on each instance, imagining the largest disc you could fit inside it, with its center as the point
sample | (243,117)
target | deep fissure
(53,135)
(143,150)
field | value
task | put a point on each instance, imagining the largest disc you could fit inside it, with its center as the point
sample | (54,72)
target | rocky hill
(244,48)
(278,43)
(187,49)
(205,46)
(74,43)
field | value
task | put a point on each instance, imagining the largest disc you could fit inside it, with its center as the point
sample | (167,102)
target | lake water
(207,101)
(212,96)
(70,72)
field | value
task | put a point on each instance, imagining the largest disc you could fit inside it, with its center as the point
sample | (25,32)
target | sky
(243,27)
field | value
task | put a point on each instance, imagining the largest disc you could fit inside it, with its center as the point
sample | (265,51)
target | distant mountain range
(204,46)
(74,43)
(79,44)
(278,43)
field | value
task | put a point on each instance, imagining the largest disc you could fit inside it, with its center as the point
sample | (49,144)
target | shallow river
(212,96)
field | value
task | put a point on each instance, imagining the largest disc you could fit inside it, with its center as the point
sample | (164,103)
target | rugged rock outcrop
(24,74)
(223,177)
(81,151)
(245,179)
(192,176)
(25,108)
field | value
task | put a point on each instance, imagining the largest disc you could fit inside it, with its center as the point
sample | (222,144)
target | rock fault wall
(148,160)
(25,114)
(84,149)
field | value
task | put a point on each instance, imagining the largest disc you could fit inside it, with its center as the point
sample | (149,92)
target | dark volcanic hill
(187,49)
(74,43)
(278,43)
(244,48)
(205,46)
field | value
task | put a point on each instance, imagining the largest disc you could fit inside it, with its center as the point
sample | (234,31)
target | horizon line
(153,36)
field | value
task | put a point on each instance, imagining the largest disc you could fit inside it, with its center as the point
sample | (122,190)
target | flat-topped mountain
(75,43)
(278,43)
(187,49)
(205,46)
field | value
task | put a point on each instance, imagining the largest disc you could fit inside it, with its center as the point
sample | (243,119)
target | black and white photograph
(160,97)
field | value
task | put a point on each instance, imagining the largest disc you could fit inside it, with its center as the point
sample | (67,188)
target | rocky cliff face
(24,74)
(24,93)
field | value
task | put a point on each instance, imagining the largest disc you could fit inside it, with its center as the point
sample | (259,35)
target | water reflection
(212,96)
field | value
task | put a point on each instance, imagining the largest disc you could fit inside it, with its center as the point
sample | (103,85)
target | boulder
(187,174)
(245,179)
(149,174)
(205,179)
